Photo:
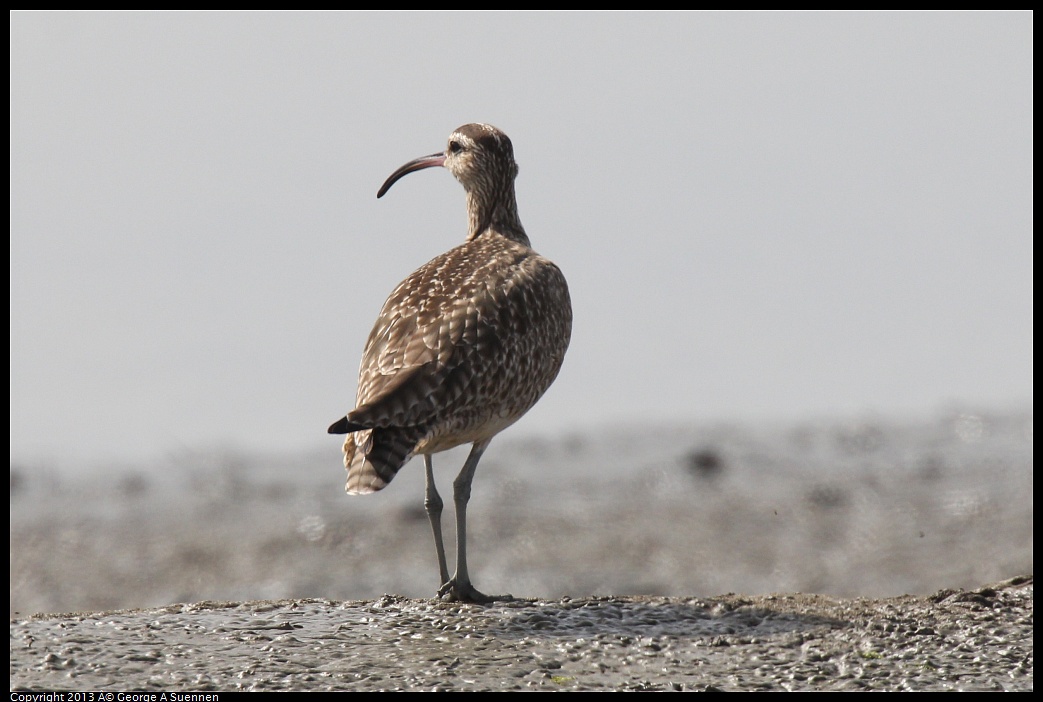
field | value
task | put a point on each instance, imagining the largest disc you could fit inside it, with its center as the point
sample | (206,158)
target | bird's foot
(454,591)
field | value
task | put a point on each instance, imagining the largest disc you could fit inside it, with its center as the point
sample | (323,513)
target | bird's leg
(459,589)
(433,505)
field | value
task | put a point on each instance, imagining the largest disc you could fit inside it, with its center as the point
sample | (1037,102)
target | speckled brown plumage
(464,346)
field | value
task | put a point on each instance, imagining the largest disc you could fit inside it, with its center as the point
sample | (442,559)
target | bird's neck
(499,214)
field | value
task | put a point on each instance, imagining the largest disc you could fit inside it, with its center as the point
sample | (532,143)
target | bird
(462,348)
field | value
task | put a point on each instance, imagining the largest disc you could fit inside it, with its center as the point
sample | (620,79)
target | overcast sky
(760,215)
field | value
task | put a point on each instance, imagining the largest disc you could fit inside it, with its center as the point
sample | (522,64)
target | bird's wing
(420,353)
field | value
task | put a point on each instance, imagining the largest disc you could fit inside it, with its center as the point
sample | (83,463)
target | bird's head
(480,156)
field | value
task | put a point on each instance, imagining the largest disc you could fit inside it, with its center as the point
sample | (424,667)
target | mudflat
(904,550)
(978,640)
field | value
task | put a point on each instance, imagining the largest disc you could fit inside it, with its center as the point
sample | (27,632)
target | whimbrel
(462,348)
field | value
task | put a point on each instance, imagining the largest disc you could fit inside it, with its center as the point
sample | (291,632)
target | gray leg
(433,505)
(459,589)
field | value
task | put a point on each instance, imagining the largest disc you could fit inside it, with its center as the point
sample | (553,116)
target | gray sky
(760,215)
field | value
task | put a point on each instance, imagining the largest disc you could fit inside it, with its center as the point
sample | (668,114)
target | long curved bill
(414,165)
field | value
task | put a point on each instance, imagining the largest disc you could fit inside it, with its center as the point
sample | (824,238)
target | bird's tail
(373,457)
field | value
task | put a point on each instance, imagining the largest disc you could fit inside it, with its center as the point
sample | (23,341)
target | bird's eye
(455,147)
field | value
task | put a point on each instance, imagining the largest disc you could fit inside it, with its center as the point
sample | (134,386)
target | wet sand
(967,641)
(641,529)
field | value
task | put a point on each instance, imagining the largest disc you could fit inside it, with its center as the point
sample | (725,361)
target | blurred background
(769,222)
(861,508)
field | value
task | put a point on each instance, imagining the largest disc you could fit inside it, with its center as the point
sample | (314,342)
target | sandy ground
(968,641)
(645,527)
